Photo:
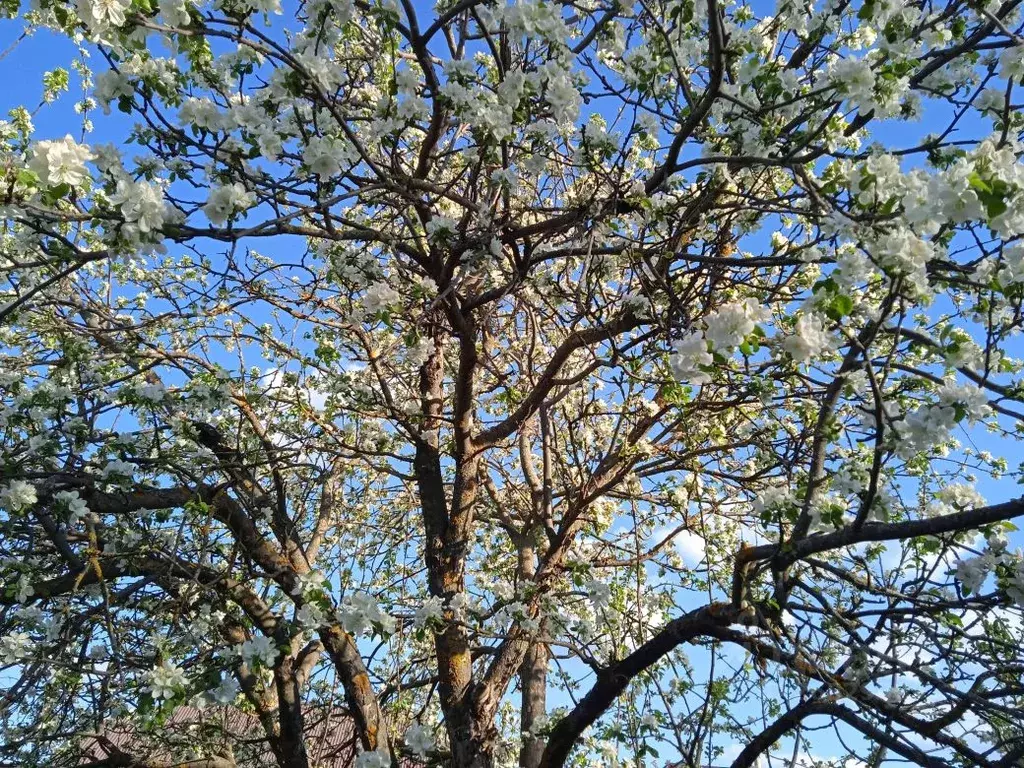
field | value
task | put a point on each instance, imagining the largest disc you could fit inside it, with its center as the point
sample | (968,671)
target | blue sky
(25,63)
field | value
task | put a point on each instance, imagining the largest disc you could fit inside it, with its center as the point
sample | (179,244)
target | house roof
(191,733)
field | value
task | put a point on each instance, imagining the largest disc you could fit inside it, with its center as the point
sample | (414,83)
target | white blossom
(15,647)
(689,355)
(957,497)
(310,616)
(226,692)
(1011,62)
(924,429)
(460,604)
(378,759)
(18,495)
(967,396)
(809,339)
(731,323)
(259,649)
(563,96)
(441,227)
(1015,583)
(100,14)
(175,13)
(359,612)
(906,254)
(75,505)
(997,542)
(894,696)
(379,297)
(325,155)
(141,203)
(600,593)
(111,86)
(431,610)
(60,162)
(165,680)
(973,572)
(225,201)
(419,353)
(854,78)
(117,469)
(418,739)
(152,392)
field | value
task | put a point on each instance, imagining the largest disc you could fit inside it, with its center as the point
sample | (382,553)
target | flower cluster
(142,205)
(431,611)
(15,647)
(165,681)
(258,650)
(419,739)
(690,358)
(226,201)
(809,340)
(973,572)
(376,759)
(730,324)
(359,613)
(60,162)
(18,495)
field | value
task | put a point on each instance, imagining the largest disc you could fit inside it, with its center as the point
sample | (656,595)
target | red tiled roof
(193,733)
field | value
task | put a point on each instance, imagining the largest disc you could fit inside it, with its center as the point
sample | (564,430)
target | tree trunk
(290,746)
(473,752)
(533,675)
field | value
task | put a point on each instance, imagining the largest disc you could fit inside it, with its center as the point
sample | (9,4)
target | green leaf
(994,202)
(978,184)
(843,305)
(828,285)
(55,193)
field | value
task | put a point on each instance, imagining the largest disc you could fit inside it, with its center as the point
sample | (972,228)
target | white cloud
(314,397)
(690,546)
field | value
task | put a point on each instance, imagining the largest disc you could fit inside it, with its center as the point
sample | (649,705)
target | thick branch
(613,680)
(578,340)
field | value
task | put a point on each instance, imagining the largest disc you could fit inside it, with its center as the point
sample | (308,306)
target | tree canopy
(584,383)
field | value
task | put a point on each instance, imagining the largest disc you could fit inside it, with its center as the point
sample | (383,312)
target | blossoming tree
(539,384)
